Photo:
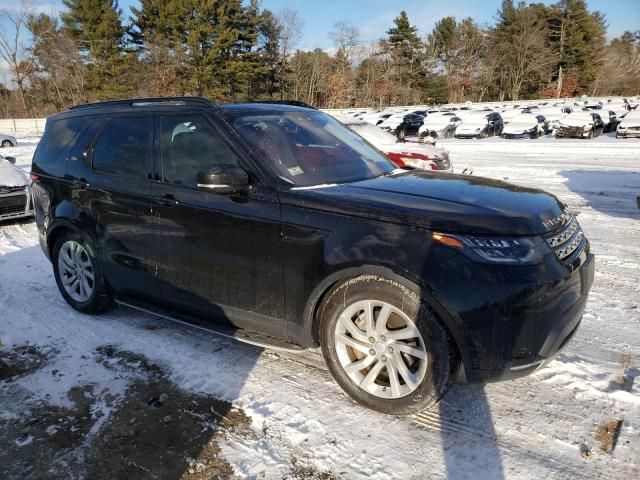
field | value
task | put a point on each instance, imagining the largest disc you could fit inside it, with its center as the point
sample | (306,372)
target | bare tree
(12,51)
(346,38)
(290,32)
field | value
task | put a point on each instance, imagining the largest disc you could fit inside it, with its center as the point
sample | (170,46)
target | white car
(479,124)
(439,125)
(7,141)
(403,154)
(15,191)
(629,127)
(525,125)
(580,124)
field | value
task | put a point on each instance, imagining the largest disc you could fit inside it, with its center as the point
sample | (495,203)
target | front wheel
(78,274)
(7,144)
(384,346)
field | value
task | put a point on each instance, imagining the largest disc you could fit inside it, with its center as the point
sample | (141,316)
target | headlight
(517,251)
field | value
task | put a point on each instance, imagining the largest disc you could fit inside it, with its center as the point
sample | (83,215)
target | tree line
(234,50)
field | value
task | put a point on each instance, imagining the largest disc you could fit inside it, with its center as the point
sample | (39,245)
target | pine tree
(407,52)
(578,38)
(97,28)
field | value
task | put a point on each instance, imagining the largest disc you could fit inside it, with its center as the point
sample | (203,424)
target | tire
(590,136)
(100,296)
(421,382)
(401,134)
(7,144)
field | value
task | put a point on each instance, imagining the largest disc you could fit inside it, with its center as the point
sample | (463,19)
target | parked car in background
(7,141)
(15,192)
(439,125)
(629,127)
(580,124)
(554,113)
(280,220)
(403,154)
(480,125)
(410,125)
(525,125)
(402,124)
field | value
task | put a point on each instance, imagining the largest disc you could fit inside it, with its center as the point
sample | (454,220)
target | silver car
(15,191)
(7,140)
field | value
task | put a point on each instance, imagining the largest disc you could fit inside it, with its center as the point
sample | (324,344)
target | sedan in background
(580,124)
(480,125)
(439,125)
(525,125)
(15,192)
(413,155)
(629,127)
(7,141)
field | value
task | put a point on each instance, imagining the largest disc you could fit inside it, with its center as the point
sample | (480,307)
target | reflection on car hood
(12,176)
(437,201)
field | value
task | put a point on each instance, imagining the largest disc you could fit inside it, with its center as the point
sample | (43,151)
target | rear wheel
(401,134)
(384,347)
(78,274)
(7,143)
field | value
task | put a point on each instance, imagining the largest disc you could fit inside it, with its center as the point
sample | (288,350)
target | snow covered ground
(559,423)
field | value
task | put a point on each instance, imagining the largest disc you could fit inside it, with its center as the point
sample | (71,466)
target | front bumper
(468,134)
(628,133)
(509,321)
(16,204)
(518,135)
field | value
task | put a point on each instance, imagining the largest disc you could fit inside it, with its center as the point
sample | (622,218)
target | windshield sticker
(295,171)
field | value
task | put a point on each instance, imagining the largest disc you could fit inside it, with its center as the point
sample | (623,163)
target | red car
(404,154)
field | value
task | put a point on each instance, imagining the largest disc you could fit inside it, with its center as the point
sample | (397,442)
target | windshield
(308,148)
(374,135)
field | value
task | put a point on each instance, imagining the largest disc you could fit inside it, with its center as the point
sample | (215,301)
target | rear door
(117,192)
(220,254)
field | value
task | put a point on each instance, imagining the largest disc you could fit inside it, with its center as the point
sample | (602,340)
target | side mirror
(11,160)
(223,179)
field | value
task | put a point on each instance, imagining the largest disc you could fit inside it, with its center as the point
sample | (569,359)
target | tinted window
(308,147)
(125,147)
(58,139)
(190,144)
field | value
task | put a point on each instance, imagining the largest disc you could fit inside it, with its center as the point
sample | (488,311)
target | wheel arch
(446,316)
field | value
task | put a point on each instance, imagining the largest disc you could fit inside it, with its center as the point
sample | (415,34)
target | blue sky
(374,17)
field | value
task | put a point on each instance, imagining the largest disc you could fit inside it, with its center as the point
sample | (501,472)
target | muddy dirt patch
(20,361)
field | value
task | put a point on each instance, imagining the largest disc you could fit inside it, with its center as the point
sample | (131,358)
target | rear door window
(125,147)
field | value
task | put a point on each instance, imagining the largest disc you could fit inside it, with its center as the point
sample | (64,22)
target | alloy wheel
(380,349)
(76,271)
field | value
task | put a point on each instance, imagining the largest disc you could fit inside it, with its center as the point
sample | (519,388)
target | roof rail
(141,102)
(293,103)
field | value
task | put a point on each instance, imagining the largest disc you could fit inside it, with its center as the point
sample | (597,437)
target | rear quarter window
(59,137)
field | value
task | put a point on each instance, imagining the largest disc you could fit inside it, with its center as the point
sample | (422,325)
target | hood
(437,201)
(436,124)
(520,126)
(12,176)
(630,120)
(575,121)
(472,125)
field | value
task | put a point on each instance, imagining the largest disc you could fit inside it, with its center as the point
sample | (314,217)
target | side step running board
(244,336)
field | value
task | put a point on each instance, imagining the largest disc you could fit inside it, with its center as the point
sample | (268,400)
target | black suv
(277,219)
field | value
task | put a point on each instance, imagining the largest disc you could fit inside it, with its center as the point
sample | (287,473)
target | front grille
(568,240)
(5,190)
(13,204)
